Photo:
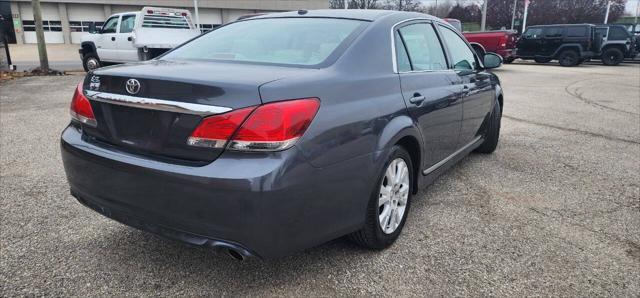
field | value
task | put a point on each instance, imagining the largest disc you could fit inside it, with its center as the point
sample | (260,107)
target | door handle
(113,38)
(129,38)
(417,98)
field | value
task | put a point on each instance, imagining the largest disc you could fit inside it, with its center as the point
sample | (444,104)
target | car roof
(358,14)
(559,25)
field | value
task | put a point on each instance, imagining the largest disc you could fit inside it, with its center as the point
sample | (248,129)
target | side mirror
(492,60)
(92,28)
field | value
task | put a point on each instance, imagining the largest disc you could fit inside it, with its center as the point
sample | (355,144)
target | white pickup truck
(136,36)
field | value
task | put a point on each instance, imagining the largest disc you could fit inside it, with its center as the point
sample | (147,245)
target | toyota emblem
(132,86)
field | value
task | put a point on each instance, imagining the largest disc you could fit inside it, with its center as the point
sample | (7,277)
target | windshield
(294,41)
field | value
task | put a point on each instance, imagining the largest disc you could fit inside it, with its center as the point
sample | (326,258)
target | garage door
(81,16)
(50,21)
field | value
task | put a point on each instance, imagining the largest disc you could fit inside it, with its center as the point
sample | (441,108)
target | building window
(47,26)
(208,27)
(83,26)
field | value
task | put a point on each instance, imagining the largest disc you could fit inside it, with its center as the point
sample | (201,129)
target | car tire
(508,60)
(542,60)
(492,136)
(373,235)
(612,57)
(569,58)
(90,62)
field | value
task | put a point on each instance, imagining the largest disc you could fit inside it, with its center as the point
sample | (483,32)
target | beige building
(65,21)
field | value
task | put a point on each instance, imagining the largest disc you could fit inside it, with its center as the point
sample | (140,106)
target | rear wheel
(508,60)
(90,62)
(612,57)
(569,58)
(389,203)
(493,131)
(542,60)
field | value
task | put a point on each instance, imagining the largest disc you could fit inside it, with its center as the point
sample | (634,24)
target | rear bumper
(265,205)
(507,53)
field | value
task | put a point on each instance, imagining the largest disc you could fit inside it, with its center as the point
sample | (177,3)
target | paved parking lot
(555,211)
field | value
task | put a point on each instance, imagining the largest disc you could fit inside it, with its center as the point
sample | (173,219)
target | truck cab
(136,36)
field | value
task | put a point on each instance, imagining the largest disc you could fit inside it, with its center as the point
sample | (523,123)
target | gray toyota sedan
(280,132)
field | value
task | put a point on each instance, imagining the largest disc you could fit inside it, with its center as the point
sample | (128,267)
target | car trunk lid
(156,115)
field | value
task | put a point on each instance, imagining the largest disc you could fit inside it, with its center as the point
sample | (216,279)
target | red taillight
(81,108)
(215,131)
(271,127)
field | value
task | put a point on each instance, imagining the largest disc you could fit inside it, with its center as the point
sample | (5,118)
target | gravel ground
(555,211)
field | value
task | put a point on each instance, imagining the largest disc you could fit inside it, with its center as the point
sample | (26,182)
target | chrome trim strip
(156,104)
(448,158)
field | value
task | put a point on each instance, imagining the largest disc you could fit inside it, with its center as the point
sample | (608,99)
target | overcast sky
(631,4)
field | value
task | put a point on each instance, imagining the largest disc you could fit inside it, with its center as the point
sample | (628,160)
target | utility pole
(483,24)
(524,18)
(346,4)
(42,47)
(513,15)
(637,13)
(195,7)
(606,15)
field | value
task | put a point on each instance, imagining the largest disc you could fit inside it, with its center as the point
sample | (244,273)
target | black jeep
(569,44)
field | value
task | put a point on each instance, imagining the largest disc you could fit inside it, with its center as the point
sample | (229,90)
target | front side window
(617,33)
(533,33)
(290,41)
(127,23)
(423,47)
(462,56)
(110,26)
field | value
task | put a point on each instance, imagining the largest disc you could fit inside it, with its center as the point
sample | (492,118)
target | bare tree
(354,4)
(441,9)
(404,5)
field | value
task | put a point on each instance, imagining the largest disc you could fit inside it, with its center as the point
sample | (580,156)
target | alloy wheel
(393,196)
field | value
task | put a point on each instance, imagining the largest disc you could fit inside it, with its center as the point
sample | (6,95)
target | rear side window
(533,33)
(402,58)
(126,25)
(290,41)
(576,31)
(461,55)
(553,32)
(423,47)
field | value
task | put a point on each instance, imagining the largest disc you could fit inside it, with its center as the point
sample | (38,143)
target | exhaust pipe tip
(235,254)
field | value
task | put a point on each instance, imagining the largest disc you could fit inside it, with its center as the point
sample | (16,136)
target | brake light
(215,131)
(149,11)
(81,108)
(270,127)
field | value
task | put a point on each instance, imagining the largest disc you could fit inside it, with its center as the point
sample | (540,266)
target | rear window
(291,41)
(165,21)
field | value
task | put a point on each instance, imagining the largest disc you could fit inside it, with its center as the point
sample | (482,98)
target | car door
(530,44)
(553,39)
(430,89)
(478,95)
(106,46)
(124,41)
